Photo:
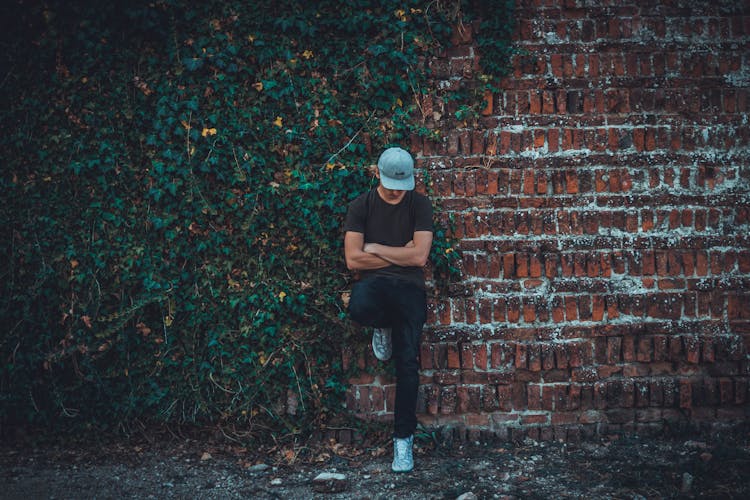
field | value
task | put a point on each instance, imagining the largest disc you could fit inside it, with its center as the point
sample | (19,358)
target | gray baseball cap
(396,168)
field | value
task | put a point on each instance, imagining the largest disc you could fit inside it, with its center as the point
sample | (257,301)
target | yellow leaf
(73,264)
(307,54)
(185,124)
(329,166)
(258,86)
(251,38)
(208,131)
(168,320)
(278,122)
(281,296)
(399,102)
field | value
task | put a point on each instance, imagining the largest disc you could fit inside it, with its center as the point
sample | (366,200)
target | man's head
(396,169)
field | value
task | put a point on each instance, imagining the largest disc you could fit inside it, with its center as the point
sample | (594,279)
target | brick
(521,356)
(628,349)
(534,397)
(550,265)
(453,357)
(571,181)
(726,391)
(468,399)
(535,266)
(644,349)
(740,391)
(579,354)
(447,400)
(738,307)
(514,309)
(571,308)
(499,310)
(488,103)
(534,357)
(692,349)
(685,394)
(548,397)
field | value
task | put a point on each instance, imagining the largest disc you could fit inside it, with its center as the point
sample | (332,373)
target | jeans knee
(361,311)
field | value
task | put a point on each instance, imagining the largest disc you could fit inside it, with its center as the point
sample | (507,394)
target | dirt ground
(168,467)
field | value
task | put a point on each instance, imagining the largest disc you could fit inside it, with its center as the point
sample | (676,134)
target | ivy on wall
(175,182)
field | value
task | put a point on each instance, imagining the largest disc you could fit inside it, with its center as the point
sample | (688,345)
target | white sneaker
(403,460)
(381,343)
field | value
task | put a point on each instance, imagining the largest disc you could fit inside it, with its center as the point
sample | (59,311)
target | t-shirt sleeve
(356,217)
(423,214)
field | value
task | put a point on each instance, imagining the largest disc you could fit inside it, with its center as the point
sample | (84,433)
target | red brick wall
(601,203)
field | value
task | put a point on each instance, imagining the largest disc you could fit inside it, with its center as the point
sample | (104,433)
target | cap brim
(398,184)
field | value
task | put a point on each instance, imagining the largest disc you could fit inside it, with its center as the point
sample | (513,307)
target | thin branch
(350,140)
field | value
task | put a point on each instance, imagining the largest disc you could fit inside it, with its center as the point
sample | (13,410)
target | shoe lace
(403,448)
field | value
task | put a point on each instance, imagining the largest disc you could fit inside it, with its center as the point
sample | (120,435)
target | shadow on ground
(620,467)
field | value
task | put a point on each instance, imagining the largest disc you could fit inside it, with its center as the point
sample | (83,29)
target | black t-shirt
(392,225)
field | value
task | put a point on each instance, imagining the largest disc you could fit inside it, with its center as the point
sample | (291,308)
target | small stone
(276,481)
(687,482)
(206,456)
(328,482)
(467,496)
(696,445)
(258,468)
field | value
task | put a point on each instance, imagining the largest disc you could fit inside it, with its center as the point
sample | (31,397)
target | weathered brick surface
(602,204)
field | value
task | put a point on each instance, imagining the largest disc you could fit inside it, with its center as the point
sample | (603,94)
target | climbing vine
(175,182)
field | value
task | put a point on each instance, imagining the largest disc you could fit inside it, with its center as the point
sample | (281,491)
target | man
(388,235)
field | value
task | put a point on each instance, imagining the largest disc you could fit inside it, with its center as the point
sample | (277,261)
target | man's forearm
(363,261)
(401,256)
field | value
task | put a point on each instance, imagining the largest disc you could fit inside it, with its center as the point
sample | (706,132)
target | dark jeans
(400,305)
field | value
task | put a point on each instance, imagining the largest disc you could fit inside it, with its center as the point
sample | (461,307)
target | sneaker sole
(401,471)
